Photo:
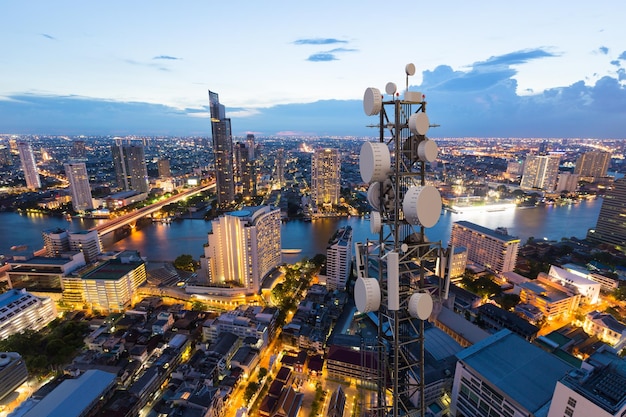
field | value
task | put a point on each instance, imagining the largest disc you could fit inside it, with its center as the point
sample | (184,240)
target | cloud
(622,55)
(603,50)
(45,35)
(515,58)
(318,41)
(172,58)
(616,63)
(322,57)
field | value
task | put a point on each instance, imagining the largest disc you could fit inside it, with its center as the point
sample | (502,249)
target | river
(164,242)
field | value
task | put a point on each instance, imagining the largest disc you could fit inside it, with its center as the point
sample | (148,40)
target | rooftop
(488,232)
(112,270)
(516,374)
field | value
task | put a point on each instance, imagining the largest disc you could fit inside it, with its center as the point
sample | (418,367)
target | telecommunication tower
(400,275)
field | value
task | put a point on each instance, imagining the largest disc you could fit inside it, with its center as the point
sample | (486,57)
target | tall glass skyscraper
(78,178)
(325,176)
(130,166)
(611,226)
(223,151)
(540,172)
(29,166)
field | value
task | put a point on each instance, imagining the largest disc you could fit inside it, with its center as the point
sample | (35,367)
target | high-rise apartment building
(130,166)
(593,165)
(611,225)
(163,165)
(79,150)
(494,249)
(21,310)
(223,151)
(242,249)
(29,166)
(567,182)
(78,178)
(56,241)
(244,170)
(339,259)
(325,177)
(251,147)
(280,168)
(540,172)
(88,242)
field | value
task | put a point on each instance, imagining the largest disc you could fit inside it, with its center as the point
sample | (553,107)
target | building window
(569,412)
(571,402)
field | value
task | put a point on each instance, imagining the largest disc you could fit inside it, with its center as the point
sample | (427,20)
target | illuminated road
(129,218)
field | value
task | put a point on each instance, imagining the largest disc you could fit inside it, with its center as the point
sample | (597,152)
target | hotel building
(21,310)
(339,259)
(495,250)
(242,249)
(59,241)
(29,166)
(325,177)
(78,178)
(593,165)
(540,172)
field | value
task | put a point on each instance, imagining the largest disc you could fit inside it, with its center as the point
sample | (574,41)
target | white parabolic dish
(374,161)
(367,294)
(420,305)
(422,205)
(372,101)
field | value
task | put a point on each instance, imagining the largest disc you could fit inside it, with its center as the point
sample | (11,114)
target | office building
(223,151)
(499,376)
(494,249)
(108,287)
(56,241)
(78,178)
(242,249)
(13,373)
(130,166)
(244,171)
(21,310)
(339,259)
(567,182)
(598,389)
(551,298)
(163,165)
(588,289)
(593,165)
(42,274)
(29,166)
(87,242)
(279,165)
(611,226)
(325,177)
(540,172)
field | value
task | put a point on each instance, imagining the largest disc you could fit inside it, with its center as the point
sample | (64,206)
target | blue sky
(488,68)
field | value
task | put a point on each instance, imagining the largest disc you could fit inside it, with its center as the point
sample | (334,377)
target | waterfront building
(567,182)
(552,299)
(109,286)
(493,249)
(130,166)
(244,171)
(223,151)
(498,376)
(87,242)
(598,389)
(611,226)
(13,373)
(78,178)
(540,172)
(29,166)
(21,310)
(163,166)
(42,274)
(243,248)
(325,177)
(591,166)
(56,241)
(339,259)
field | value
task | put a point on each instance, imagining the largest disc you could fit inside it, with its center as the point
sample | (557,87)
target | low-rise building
(550,297)
(13,373)
(607,328)
(20,310)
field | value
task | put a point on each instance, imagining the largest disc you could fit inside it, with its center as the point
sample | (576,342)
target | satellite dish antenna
(391,88)
(409,69)
(372,101)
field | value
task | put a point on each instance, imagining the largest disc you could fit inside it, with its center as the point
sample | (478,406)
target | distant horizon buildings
(325,177)
(611,225)
(78,178)
(223,151)
(29,166)
(540,172)
(130,166)
(243,247)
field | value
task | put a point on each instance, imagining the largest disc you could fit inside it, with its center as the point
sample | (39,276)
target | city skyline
(496,70)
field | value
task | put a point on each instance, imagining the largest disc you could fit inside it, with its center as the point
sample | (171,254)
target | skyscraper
(223,151)
(325,177)
(251,147)
(78,178)
(243,177)
(280,168)
(592,165)
(339,259)
(242,249)
(163,165)
(29,166)
(611,225)
(130,166)
(56,241)
(78,151)
(540,172)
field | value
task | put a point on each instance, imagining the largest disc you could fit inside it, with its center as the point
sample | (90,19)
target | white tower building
(78,178)
(339,259)
(29,166)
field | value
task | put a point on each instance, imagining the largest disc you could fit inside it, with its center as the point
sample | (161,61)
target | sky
(488,68)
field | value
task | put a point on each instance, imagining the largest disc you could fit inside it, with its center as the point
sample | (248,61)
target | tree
(185,262)
(250,390)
